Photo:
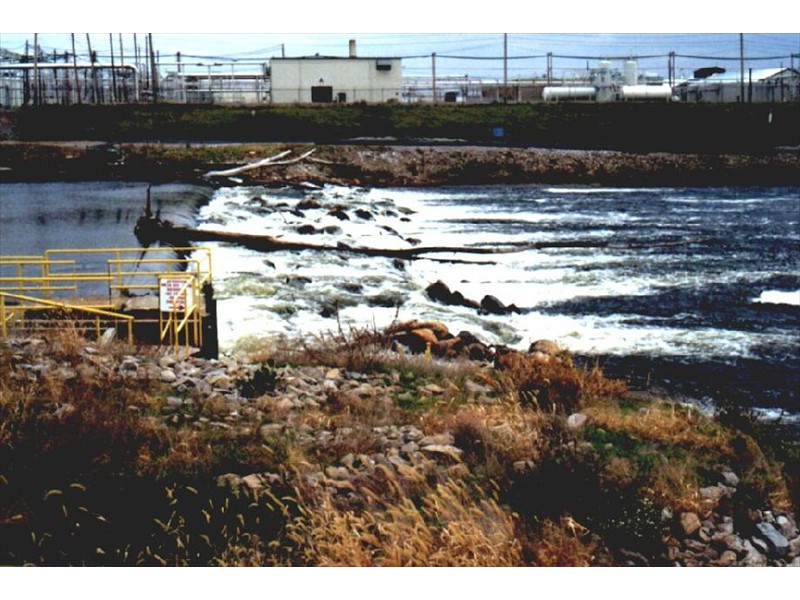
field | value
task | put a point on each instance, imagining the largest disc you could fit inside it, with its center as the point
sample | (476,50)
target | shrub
(556,383)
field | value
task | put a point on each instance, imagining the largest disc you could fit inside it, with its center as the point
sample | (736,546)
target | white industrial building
(326,79)
(778,84)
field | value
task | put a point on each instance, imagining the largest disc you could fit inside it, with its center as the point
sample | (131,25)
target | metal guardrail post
(3,329)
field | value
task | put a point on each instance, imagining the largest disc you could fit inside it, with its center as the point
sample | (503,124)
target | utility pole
(122,64)
(741,67)
(113,70)
(671,69)
(549,68)
(35,69)
(26,80)
(75,70)
(92,59)
(505,68)
(146,61)
(138,74)
(153,72)
(433,69)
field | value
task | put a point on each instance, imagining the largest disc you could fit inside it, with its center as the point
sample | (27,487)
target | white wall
(358,78)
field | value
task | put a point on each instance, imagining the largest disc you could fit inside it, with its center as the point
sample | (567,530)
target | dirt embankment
(392,165)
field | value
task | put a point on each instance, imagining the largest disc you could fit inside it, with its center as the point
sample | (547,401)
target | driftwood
(272,161)
(149,230)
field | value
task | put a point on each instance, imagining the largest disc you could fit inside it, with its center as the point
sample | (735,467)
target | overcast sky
(392,29)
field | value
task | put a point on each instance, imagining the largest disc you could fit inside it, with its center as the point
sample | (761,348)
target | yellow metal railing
(183,308)
(127,272)
(18,312)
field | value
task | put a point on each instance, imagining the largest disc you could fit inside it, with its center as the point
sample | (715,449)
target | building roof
(757,75)
(324,57)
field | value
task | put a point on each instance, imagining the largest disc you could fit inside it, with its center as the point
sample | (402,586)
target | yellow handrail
(55,272)
(5,318)
(191,312)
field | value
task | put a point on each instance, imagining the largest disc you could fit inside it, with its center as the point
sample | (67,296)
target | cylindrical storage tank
(647,92)
(568,93)
(603,77)
(631,72)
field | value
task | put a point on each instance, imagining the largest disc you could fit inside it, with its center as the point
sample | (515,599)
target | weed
(450,525)
(555,383)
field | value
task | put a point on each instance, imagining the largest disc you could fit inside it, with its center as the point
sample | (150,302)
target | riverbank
(372,164)
(355,451)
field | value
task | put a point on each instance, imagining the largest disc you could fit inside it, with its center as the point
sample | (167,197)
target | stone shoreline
(374,164)
(243,396)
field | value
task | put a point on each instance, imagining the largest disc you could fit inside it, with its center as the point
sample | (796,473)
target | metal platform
(161,295)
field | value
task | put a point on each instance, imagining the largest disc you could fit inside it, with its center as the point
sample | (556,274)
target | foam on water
(307,293)
(779,297)
(599,190)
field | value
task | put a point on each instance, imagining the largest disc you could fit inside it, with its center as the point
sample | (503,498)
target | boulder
(448,348)
(777,544)
(690,523)
(786,526)
(443,450)
(713,492)
(440,292)
(432,389)
(253,481)
(576,420)
(545,347)
(306,230)
(426,336)
(440,329)
(753,558)
(441,439)
(458,299)
(417,336)
(468,338)
(730,478)
(308,204)
(477,352)
(490,304)
(230,480)
(339,214)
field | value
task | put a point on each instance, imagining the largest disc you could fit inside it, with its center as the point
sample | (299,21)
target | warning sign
(174,293)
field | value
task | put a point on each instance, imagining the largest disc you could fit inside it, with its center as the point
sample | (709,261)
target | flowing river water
(697,291)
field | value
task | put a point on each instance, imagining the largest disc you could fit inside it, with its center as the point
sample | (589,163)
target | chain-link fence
(66,78)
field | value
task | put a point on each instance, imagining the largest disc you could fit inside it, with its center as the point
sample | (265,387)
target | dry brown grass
(679,425)
(493,436)
(556,384)
(448,525)
(563,544)
(703,445)
(356,349)
(425,513)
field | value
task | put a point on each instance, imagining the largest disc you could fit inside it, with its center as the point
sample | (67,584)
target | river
(697,293)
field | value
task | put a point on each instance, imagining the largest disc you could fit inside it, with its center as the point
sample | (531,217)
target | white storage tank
(630,72)
(585,92)
(647,92)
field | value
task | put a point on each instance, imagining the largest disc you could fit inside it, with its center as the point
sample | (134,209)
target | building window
(383,64)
